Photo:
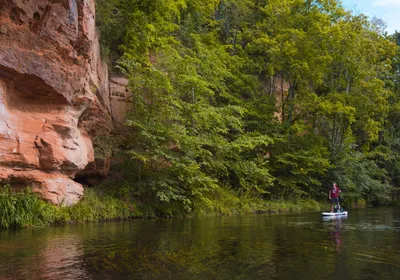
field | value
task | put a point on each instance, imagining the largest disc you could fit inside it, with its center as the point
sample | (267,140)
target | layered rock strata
(54,96)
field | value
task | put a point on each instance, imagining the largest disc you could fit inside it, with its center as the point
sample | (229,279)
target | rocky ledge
(54,96)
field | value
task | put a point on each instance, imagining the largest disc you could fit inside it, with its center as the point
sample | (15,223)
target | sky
(388,10)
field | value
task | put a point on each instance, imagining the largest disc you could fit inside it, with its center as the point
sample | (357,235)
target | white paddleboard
(334,214)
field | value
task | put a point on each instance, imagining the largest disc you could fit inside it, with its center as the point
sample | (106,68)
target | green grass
(20,209)
(225,202)
(26,209)
(97,207)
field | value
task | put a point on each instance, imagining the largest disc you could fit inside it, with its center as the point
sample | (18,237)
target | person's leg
(335,205)
(332,203)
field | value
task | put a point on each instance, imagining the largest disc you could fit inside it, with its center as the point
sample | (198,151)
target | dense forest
(253,99)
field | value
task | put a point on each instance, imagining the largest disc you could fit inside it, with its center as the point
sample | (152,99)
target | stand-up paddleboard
(332,218)
(344,213)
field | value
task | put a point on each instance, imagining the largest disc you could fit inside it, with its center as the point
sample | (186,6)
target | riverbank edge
(26,209)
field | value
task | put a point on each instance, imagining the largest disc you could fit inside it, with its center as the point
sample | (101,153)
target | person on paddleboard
(334,197)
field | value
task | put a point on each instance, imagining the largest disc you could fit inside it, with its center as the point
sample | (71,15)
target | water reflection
(250,247)
(336,227)
(36,254)
(65,253)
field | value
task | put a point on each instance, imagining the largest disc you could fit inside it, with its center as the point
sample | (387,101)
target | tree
(204,76)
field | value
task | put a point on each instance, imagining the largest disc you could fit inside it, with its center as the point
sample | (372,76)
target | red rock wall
(54,95)
(120,101)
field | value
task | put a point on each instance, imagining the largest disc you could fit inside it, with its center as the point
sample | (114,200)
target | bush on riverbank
(20,209)
(227,203)
(26,209)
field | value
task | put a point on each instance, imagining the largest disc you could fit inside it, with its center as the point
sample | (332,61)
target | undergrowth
(20,209)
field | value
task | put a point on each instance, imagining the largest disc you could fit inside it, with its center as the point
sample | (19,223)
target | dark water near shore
(366,245)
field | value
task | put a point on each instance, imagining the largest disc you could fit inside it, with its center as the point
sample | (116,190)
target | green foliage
(363,179)
(241,100)
(26,209)
(112,201)
(20,209)
(95,208)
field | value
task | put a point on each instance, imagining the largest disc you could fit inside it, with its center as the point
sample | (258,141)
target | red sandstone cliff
(54,96)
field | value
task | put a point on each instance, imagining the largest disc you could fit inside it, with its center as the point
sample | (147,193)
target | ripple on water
(367,226)
(363,246)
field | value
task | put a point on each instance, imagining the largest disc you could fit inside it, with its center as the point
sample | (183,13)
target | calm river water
(366,245)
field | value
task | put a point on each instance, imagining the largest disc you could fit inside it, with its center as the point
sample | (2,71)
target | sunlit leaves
(270,98)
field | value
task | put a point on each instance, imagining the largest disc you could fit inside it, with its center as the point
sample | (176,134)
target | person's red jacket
(334,192)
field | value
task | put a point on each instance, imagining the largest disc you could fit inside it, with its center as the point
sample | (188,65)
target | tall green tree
(257,98)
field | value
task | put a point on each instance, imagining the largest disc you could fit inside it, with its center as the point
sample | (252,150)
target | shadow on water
(364,245)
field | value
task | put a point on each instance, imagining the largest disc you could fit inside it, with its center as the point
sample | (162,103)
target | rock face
(121,101)
(54,96)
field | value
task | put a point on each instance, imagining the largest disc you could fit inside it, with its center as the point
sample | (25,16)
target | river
(366,245)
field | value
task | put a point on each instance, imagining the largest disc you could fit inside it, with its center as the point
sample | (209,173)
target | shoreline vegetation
(25,209)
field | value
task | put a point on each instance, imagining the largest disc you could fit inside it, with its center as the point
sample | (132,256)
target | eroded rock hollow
(54,96)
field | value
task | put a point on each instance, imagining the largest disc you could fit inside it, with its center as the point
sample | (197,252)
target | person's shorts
(335,200)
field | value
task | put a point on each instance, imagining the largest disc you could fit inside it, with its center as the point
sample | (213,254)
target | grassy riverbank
(26,209)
